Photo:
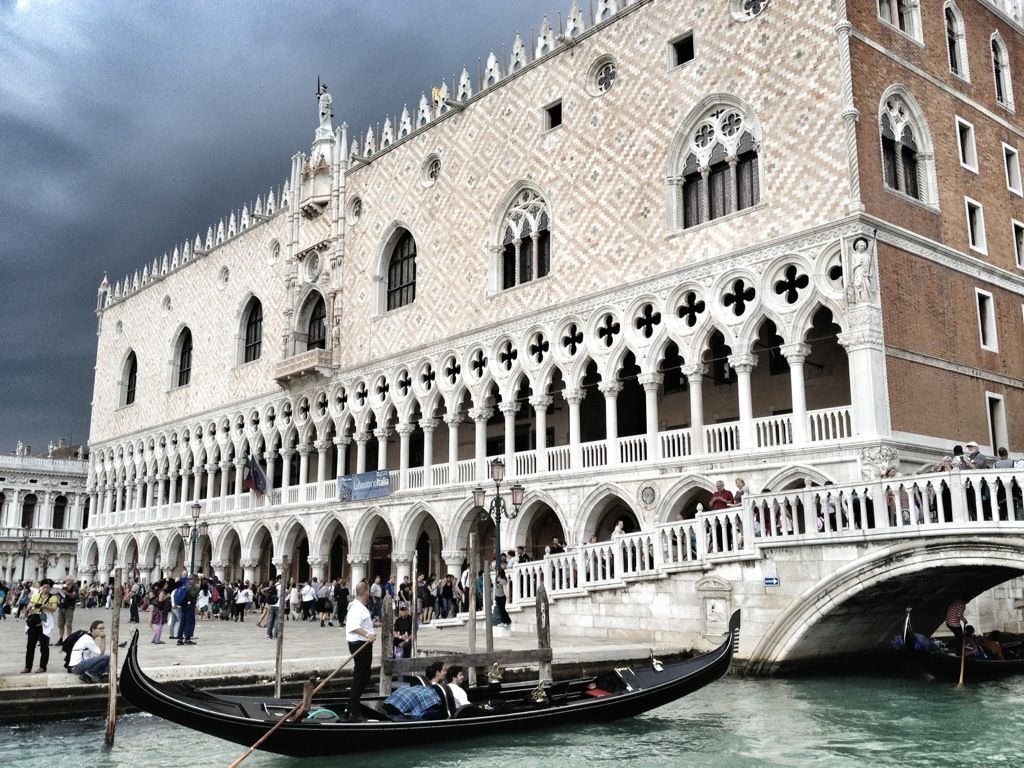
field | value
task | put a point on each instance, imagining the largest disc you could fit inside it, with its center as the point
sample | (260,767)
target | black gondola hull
(237,719)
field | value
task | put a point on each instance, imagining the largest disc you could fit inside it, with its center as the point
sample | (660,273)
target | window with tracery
(904,168)
(526,242)
(185,358)
(720,174)
(253,331)
(402,273)
(316,330)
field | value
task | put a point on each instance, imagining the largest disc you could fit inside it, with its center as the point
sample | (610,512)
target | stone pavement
(225,648)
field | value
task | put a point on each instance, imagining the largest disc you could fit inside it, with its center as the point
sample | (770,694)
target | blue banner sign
(772,581)
(365,485)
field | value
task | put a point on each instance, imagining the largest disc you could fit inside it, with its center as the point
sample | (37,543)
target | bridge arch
(859,606)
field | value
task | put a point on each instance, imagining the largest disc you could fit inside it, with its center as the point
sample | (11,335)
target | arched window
(60,506)
(184,358)
(402,273)
(28,511)
(956,43)
(903,14)
(526,240)
(907,159)
(1001,72)
(316,330)
(130,379)
(253,331)
(720,171)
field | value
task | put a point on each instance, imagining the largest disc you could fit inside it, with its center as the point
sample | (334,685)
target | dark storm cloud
(127,127)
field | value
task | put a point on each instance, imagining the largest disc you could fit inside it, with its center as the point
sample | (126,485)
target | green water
(854,721)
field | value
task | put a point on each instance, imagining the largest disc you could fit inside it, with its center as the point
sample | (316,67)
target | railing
(722,438)
(465,471)
(37,533)
(773,431)
(559,459)
(526,463)
(830,424)
(676,444)
(594,454)
(414,478)
(632,450)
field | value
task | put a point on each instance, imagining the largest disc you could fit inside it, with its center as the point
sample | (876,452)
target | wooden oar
(297,708)
(963,655)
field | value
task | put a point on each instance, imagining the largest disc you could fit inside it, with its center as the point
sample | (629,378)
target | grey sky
(126,127)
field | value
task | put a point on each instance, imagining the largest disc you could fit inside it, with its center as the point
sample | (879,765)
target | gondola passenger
(418,702)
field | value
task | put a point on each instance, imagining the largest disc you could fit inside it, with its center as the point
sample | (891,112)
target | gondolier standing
(955,621)
(358,632)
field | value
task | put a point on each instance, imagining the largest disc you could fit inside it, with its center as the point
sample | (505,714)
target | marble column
(540,404)
(428,426)
(869,396)
(269,456)
(286,467)
(401,563)
(197,483)
(211,481)
(249,570)
(361,439)
(318,568)
(651,382)
(453,420)
(743,365)
(480,416)
(404,434)
(240,475)
(509,410)
(343,444)
(795,355)
(574,397)
(225,476)
(303,477)
(695,374)
(322,447)
(453,560)
(610,390)
(358,563)
(382,436)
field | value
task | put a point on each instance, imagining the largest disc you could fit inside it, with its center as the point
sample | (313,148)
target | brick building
(667,243)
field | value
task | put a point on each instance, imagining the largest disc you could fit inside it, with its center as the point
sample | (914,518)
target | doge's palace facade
(635,257)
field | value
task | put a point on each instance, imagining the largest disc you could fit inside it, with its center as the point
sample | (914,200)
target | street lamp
(26,540)
(497,509)
(190,533)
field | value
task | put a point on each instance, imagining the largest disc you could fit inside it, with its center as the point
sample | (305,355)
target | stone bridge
(819,572)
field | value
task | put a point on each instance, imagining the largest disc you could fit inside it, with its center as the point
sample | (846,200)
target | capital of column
(172,475)
(239,463)
(358,558)
(610,389)
(227,463)
(197,470)
(269,455)
(145,566)
(405,429)
(361,438)
(743,363)
(867,338)
(651,381)
(212,467)
(382,434)
(316,562)
(453,556)
(795,353)
(343,441)
(508,407)
(304,450)
(541,402)
(401,558)
(216,565)
(287,453)
(322,445)
(481,414)
(429,425)
(453,419)
(248,563)
(574,396)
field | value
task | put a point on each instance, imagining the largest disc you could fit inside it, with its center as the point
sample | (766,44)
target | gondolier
(358,632)
(955,619)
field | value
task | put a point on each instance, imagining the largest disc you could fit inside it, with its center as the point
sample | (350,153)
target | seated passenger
(974,645)
(455,679)
(418,702)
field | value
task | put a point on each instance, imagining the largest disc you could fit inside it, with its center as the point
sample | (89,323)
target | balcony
(313,362)
(38,534)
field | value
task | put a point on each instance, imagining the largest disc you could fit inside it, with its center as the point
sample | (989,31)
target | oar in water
(963,655)
(291,713)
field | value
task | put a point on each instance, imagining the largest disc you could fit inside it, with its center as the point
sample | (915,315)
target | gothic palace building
(661,244)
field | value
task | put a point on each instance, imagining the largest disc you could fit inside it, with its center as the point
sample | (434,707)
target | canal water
(825,721)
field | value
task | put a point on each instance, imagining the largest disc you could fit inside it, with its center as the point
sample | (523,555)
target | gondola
(620,692)
(940,659)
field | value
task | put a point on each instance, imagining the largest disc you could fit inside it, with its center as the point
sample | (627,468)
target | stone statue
(325,107)
(862,285)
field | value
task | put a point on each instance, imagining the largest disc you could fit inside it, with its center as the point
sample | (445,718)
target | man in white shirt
(308,602)
(88,659)
(454,678)
(359,633)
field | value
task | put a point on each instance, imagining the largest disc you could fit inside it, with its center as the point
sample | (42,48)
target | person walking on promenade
(273,595)
(501,597)
(359,632)
(341,601)
(66,611)
(186,595)
(376,598)
(158,613)
(39,623)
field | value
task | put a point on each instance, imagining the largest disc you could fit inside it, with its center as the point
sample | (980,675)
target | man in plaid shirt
(418,702)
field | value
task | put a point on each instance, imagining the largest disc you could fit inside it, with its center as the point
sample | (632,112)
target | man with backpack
(66,611)
(186,595)
(85,657)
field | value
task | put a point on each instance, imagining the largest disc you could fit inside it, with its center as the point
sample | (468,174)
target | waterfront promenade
(228,650)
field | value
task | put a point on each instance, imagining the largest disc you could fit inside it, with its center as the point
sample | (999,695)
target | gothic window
(526,241)
(402,273)
(253,331)
(316,330)
(184,358)
(720,172)
(1001,72)
(907,162)
(131,376)
(956,47)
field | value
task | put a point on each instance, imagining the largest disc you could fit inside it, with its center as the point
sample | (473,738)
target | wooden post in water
(282,603)
(115,624)
(543,631)
(471,672)
(488,608)
(387,644)
(415,607)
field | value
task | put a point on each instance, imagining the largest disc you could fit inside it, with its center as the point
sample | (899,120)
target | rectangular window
(885,11)
(997,432)
(1012,162)
(975,225)
(718,190)
(965,141)
(553,115)
(682,49)
(747,183)
(987,320)
(691,201)
(889,162)
(1018,242)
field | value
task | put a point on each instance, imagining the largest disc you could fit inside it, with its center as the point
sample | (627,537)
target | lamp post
(190,533)
(497,509)
(26,540)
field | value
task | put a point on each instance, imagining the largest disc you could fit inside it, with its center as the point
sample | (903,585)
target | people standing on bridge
(978,459)
(721,498)
(741,489)
(955,621)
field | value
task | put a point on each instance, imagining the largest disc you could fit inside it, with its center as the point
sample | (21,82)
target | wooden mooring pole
(282,603)
(471,672)
(543,633)
(387,644)
(115,624)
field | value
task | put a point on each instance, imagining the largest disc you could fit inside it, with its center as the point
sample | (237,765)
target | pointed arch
(956,41)
(596,505)
(796,473)
(1001,76)
(908,152)
(127,384)
(520,242)
(397,233)
(362,535)
(249,337)
(681,493)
